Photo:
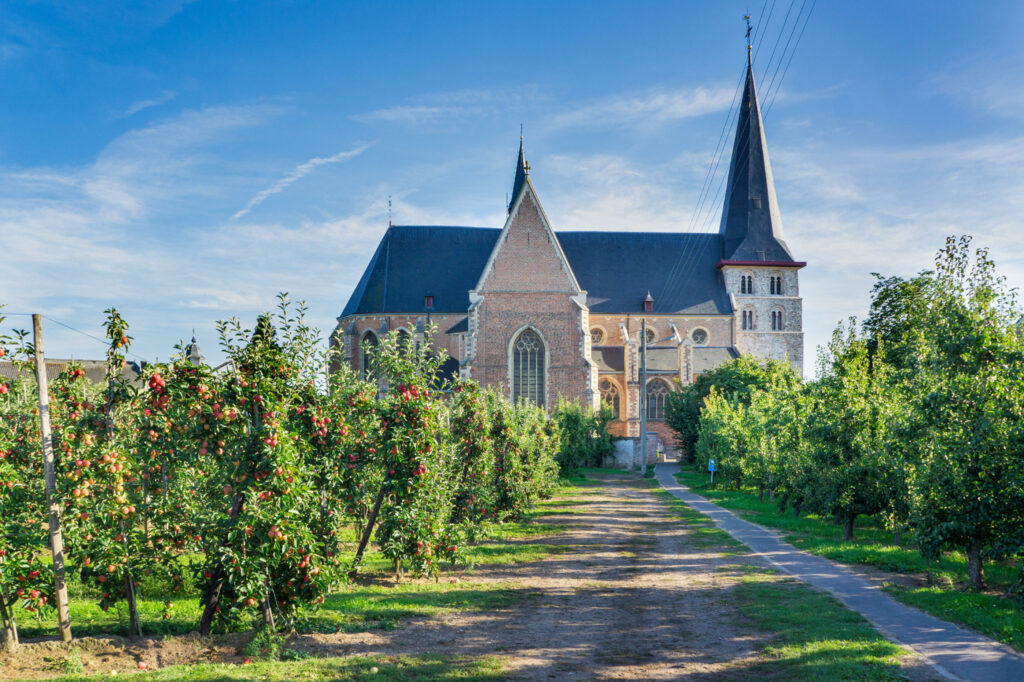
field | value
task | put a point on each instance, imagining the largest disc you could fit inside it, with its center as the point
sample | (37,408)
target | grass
(808,634)
(377,668)
(358,607)
(385,606)
(813,636)
(873,545)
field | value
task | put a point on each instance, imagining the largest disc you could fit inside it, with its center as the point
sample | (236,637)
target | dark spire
(751,227)
(522,170)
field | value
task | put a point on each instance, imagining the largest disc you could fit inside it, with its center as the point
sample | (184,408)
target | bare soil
(638,596)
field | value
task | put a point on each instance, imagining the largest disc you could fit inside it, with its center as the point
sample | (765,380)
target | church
(543,314)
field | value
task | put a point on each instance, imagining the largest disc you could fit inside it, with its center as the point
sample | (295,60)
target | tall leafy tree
(737,379)
(967,490)
(847,434)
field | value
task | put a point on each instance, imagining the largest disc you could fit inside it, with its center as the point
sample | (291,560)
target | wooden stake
(56,539)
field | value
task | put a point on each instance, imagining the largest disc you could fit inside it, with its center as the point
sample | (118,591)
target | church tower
(759,271)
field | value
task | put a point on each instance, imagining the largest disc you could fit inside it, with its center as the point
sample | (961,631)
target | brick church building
(541,314)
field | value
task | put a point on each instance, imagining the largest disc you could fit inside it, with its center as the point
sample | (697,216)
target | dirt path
(638,596)
(635,595)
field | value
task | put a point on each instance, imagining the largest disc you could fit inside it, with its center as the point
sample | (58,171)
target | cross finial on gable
(526,167)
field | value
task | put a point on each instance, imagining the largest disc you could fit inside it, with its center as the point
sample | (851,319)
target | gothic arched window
(366,350)
(657,394)
(405,343)
(610,395)
(528,368)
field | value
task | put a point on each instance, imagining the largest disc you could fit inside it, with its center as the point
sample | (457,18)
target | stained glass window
(528,368)
(657,394)
(610,395)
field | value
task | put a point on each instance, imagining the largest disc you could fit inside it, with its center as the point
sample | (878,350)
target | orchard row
(917,417)
(258,472)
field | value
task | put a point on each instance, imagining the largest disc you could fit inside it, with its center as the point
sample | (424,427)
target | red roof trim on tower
(763,263)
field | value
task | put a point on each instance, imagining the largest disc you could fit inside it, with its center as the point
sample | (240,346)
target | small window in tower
(757,203)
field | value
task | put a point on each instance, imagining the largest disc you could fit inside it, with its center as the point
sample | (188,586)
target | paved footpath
(954,651)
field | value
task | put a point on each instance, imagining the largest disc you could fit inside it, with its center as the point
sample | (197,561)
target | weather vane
(746,17)
(389,210)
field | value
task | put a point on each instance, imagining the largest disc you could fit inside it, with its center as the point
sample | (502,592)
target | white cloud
(135,107)
(646,108)
(994,86)
(410,114)
(453,106)
(299,172)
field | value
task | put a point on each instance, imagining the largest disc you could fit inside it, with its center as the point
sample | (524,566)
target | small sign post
(712,467)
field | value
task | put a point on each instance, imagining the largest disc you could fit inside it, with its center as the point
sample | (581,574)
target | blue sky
(185,161)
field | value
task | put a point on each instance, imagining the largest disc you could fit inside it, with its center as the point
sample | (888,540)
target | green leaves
(917,417)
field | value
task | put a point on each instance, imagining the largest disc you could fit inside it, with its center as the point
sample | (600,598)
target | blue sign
(712,467)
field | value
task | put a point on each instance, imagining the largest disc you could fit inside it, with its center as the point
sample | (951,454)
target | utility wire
(77,331)
(760,36)
(768,64)
(716,158)
(807,20)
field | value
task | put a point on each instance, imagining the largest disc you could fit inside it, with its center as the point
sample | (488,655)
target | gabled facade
(542,314)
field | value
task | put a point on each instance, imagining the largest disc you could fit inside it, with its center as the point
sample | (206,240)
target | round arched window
(699,336)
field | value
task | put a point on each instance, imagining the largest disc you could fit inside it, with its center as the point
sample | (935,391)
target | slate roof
(617,269)
(706,358)
(95,370)
(609,358)
(751,224)
(412,261)
(460,327)
(660,359)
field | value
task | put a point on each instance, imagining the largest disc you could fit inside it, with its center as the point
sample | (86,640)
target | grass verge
(990,613)
(813,636)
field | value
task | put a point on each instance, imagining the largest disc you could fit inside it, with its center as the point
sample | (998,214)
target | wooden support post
(56,539)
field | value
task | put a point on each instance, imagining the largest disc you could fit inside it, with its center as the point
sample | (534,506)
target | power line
(767,22)
(104,342)
(796,45)
(702,196)
(768,64)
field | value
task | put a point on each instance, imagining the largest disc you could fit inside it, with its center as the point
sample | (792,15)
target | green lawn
(997,616)
(813,636)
